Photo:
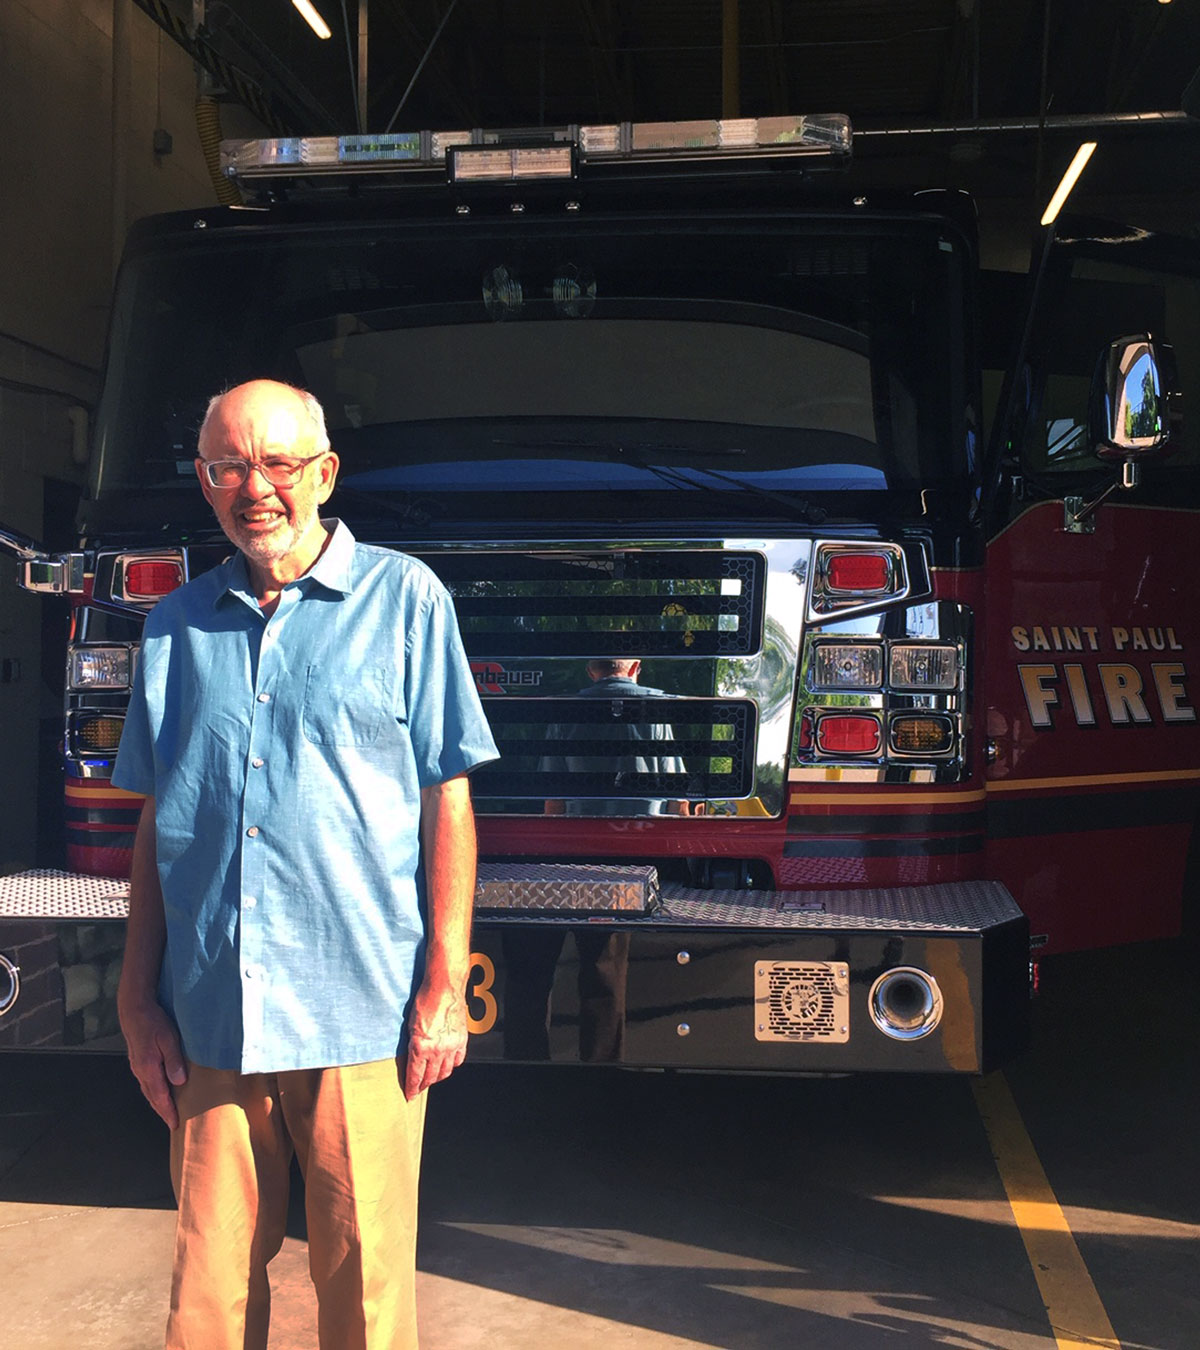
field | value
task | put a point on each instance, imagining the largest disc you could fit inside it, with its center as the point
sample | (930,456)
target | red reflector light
(804,736)
(151,579)
(849,734)
(858,571)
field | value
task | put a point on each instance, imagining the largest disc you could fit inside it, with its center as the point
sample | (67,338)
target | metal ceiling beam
(437,71)
(363,43)
(777,72)
(420,64)
(959,51)
(731,66)
(600,31)
(246,90)
(309,114)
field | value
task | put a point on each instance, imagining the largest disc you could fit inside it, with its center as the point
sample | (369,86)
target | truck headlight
(923,666)
(846,665)
(99,668)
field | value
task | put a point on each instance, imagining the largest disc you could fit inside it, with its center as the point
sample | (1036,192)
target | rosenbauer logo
(492,678)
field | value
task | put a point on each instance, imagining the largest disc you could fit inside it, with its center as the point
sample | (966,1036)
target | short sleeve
(446,724)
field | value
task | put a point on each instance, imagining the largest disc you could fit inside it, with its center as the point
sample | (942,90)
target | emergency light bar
(542,152)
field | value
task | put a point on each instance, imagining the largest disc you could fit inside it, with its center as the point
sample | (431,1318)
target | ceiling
(993,97)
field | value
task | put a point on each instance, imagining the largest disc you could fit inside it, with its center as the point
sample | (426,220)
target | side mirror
(40,570)
(1132,392)
(1133,401)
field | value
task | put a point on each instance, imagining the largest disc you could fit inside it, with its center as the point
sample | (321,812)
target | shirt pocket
(346,705)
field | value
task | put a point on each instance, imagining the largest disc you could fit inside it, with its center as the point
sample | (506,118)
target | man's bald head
(606,669)
(263,398)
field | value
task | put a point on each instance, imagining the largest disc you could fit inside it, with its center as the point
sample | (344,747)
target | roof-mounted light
(309,154)
(542,152)
(485,164)
(829,134)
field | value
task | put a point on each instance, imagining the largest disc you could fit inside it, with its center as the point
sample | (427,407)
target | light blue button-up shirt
(286,757)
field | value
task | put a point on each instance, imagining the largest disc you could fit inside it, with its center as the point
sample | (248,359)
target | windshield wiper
(413,510)
(798,508)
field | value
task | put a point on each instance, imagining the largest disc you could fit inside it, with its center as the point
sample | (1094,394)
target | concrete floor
(595,1208)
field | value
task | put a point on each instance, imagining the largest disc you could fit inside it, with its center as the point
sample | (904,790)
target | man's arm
(153,1042)
(438,1020)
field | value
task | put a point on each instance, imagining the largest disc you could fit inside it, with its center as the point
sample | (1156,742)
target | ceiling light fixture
(1061,193)
(312,18)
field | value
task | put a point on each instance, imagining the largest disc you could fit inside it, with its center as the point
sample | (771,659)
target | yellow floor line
(1077,1317)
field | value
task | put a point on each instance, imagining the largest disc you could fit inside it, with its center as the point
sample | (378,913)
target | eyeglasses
(232,473)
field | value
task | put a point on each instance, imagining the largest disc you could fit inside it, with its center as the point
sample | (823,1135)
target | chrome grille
(626,603)
(620,748)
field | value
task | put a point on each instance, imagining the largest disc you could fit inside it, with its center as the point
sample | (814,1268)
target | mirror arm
(1077,514)
(26,548)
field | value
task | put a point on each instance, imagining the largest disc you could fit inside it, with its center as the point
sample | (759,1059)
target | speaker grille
(801,1001)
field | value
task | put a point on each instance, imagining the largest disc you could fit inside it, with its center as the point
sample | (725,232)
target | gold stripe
(104,793)
(1094,780)
(897,798)
(1077,1317)
(845,796)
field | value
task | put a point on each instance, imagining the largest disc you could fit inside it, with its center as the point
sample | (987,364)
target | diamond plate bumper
(597,963)
(504,887)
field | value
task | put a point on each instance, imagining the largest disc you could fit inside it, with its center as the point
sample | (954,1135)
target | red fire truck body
(1091,653)
(912,709)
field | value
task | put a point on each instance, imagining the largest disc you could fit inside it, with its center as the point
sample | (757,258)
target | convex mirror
(1130,411)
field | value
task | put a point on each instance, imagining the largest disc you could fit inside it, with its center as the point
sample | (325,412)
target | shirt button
(256,763)
(249,901)
(253,831)
(264,698)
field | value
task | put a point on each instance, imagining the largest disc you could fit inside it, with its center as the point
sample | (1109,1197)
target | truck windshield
(488,364)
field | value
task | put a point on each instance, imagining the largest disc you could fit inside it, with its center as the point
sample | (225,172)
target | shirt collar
(332,570)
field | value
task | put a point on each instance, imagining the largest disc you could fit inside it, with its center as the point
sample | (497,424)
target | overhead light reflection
(312,18)
(1062,192)
(619,1247)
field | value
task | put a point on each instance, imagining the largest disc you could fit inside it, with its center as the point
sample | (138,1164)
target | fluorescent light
(312,18)
(1074,169)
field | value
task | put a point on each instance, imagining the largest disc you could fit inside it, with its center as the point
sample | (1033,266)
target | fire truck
(828,594)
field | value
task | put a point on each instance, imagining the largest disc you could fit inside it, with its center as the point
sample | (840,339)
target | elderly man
(302,724)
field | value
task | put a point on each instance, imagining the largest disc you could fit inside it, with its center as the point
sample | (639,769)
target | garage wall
(60,225)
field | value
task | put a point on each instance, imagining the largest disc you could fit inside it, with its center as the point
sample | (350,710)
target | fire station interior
(653,1210)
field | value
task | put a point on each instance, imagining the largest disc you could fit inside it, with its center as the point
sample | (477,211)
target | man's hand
(155,1057)
(437,1044)
(150,1035)
(437,1021)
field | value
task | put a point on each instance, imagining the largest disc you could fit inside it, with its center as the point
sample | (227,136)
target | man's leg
(229,1165)
(603,974)
(359,1145)
(530,960)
